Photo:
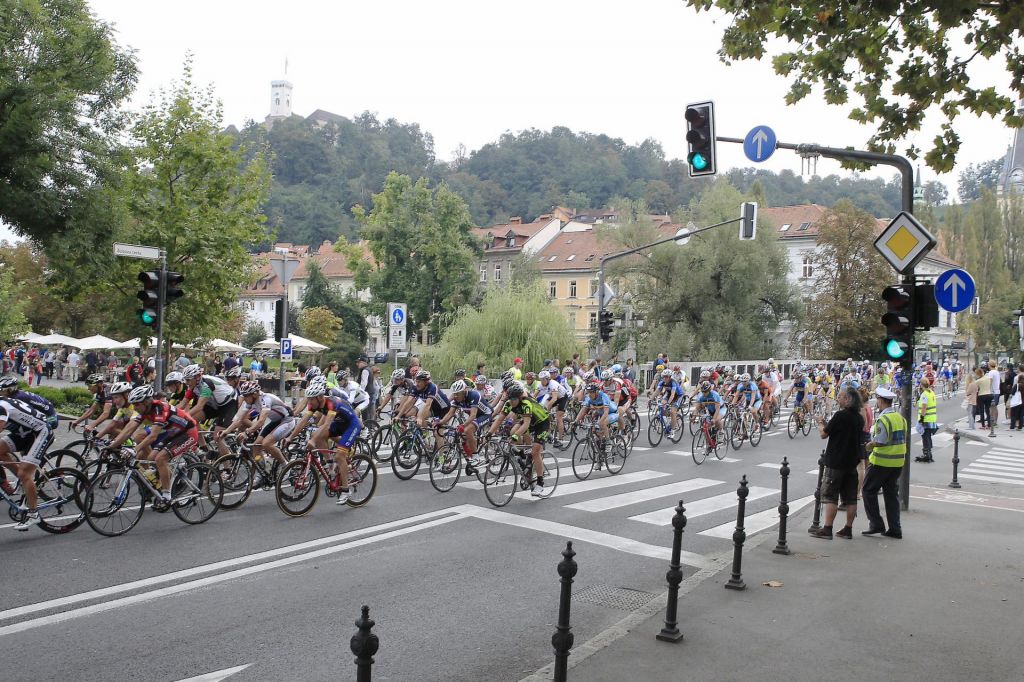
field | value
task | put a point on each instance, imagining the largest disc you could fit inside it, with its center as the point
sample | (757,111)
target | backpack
(631,388)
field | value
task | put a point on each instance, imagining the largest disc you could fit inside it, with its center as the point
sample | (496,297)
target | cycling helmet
(118,388)
(192,372)
(616,369)
(759,376)
(233,373)
(94,379)
(312,373)
(606,375)
(507,384)
(341,376)
(398,374)
(174,378)
(705,375)
(593,387)
(728,369)
(249,388)
(744,377)
(666,373)
(507,374)
(8,382)
(423,375)
(544,374)
(460,373)
(568,370)
(480,379)
(459,387)
(705,386)
(315,389)
(517,391)
(141,394)
(530,376)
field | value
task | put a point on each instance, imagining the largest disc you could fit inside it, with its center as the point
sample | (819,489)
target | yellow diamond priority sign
(904,242)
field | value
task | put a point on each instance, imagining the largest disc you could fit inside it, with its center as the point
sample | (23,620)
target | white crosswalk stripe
(755,523)
(688,453)
(997,466)
(635,497)
(708,505)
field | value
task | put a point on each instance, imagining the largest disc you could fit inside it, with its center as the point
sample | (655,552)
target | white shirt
(995,377)
(73,359)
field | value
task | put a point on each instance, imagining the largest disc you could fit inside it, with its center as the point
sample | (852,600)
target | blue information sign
(286,349)
(954,290)
(759,144)
(398,316)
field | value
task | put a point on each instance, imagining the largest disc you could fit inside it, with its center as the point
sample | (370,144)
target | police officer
(927,415)
(888,448)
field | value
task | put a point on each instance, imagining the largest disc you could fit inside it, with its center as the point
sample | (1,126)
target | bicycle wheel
(806,428)
(501,478)
(694,424)
(405,460)
(550,463)
(298,487)
(684,409)
(63,459)
(618,451)
(362,480)
(699,449)
(115,501)
(582,460)
(755,432)
(198,493)
(655,430)
(61,499)
(446,467)
(793,427)
(236,476)
(736,433)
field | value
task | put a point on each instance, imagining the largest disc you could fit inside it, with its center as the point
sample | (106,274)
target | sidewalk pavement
(944,603)
(1004,436)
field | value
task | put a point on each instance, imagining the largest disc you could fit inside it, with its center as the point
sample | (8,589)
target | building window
(805,349)
(572,288)
(803,226)
(497,272)
(572,320)
(593,320)
(510,242)
(553,289)
(808,268)
(785,228)
(593,288)
(949,320)
(483,272)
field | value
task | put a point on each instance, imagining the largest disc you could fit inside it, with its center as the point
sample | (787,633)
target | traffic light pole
(158,358)
(622,254)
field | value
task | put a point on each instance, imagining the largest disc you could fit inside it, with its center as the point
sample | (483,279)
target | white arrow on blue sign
(954,290)
(759,144)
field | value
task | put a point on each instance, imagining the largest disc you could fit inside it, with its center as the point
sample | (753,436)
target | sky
(467,71)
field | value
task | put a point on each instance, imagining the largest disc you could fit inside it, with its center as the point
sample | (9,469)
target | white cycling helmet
(174,378)
(544,374)
(119,388)
(192,372)
(606,375)
(235,371)
(312,373)
(398,374)
(140,394)
(705,375)
(459,387)
(666,373)
(315,389)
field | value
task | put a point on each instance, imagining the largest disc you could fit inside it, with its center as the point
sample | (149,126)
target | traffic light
(605,324)
(748,224)
(898,331)
(150,296)
(700,137)
(172,284)
(279,321)
(926,308)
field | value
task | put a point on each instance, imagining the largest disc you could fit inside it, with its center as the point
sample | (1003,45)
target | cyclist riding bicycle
(211,398)
(553,397)
(266,415)
(710,401)
(669,390)
(23,430)
(533,422)
(100,408)
(597,400)
(748,395)
(337,423)
(478,415)
(9,389)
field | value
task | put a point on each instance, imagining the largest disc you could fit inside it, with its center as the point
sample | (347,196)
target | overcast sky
(467,71)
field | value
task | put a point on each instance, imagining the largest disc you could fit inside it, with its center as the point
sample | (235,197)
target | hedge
(71,400)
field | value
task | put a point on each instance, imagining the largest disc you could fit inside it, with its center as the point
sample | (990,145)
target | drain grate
(614,597)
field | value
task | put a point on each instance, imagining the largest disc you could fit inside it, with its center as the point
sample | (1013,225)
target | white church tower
(280,99)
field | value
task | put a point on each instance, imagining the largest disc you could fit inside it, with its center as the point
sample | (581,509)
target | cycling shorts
(482,420)
(613,417)
(561,403)
(346,430)
(222,416)
(539,430)
(30,445)
(278,429)
(436,410)
(180,443)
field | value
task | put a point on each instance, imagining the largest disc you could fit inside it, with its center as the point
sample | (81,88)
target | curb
(978,435)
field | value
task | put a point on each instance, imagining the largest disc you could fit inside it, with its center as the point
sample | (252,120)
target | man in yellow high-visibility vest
(928,417)
(888,448)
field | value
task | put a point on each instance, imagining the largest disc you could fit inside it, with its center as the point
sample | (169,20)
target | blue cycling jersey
(749,391)
(474,399)
(602,400)
(431,391)
(711,400)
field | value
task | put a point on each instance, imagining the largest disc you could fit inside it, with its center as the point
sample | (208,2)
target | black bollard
(816,519)
(781,547)
(364,645)
(956,458)
(670,633)
(738,537)
(563,637)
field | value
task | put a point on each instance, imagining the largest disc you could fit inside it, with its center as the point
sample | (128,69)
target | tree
(320,325)
(935,193)
(977,176)
(254,333)
(320,293)
(903,60)
(512,321)
(63,79)
(421,248)
(849,274)
(12,319)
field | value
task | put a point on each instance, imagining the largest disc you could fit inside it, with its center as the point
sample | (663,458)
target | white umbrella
(29,336)
(222,345)
(56,340)
(299,344)
(134,344)
(96,342)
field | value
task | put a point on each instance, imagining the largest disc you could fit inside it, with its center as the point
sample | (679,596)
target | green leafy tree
(63,79)
(848,274)
(320,325)
(421,247)
(254,333)
(512,321)
(977,176)
(12,305)
(919,52)
(320,293)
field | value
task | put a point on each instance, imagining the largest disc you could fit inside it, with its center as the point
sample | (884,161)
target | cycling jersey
(398,391)
(40,403)
(25,430)
(431,391)
(711,400)
(346,425)
(356,394)
(602,400)
(670,389)
(331,405)
(749,392)
(216,391)
(100,398)
(554,389)
(527,407)
(174,420)
(277,407)
(474,399)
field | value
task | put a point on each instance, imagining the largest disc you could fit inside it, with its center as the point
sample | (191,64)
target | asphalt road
(460,590)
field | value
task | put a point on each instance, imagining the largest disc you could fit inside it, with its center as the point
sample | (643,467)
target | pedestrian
(38,369)
(91,362)
(630,372)
(182,362)
(218,364)
(74,360)
(264,366)
(1016,403)
(481,368)
(995,379)
(517,369)
(888,448)
(364,377)
(19,358)
(927,419)
(48,359)
(842,455)
(868,415)
(971,399)
(230,362)
(254,366)
(984,396)
(1006,388)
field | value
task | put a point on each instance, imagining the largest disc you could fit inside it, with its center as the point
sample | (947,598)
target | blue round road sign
(954,290)
(397,316)
(759,144)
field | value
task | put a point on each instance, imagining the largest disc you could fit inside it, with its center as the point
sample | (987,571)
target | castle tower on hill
(1012,177)
(280,99)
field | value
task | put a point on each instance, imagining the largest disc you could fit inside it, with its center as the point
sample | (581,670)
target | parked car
(380,358)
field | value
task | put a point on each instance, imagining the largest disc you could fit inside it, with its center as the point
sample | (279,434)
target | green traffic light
(698,161)
(147,317)
(895,349)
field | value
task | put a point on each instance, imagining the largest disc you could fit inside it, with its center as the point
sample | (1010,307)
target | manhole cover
(614,597)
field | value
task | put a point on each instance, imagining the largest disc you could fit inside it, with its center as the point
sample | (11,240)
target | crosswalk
(1000,464)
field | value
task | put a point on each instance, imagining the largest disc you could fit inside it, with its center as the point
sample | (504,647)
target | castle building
(1011,179)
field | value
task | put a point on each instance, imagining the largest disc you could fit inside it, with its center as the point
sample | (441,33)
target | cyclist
(337,422)
(800,388)
(356,395)
(574,383)
(531,384)
(711,402)
(9,389)
(214,398)
(24,431)
(100,408)
(669,390)
(532,427)
(171,433)
(748,395)
(397,393)
(946,375)
(431,401)
(122,410)
(484,388)
(234,377)
(174,387)
(273,423)
(553,396)
(478,414)
(598,401)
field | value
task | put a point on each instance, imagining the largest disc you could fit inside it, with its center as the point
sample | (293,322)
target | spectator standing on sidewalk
(993,404)
(971,393)
(842,455)
(1006,388)
(984,396)
(928,418)
(48,358)
(74,361)
(888,448)
(1016,402)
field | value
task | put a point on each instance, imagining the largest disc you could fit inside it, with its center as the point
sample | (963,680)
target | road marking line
(1001,459)
(473,483)
(640,448)
(599,483)
(63,602)
(980,445)
(990,479)
(583,534)
(1005,453)
(769,465)
(814,471)
(217,675)
(755,523)
(708,505)
(624,499)
(981,468)
(688,453)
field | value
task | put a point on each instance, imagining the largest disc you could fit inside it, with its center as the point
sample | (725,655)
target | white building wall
(280,98)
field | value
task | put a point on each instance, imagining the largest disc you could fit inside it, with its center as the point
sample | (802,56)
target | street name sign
(954,290)
(759,144)
(286,350)
(137,251)
(904,242)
